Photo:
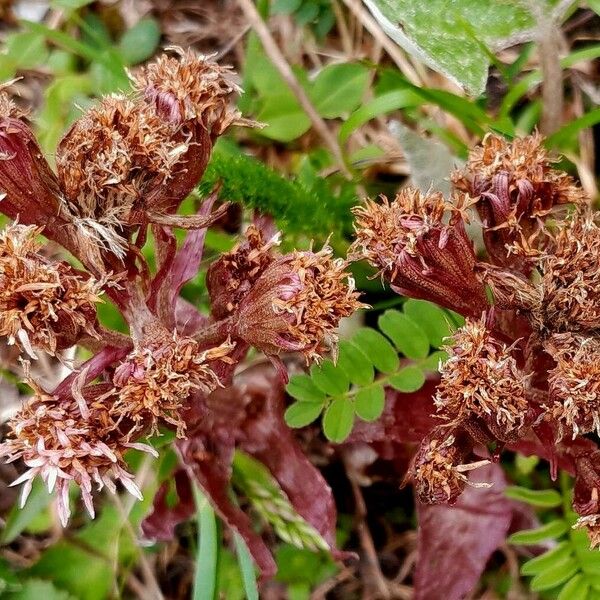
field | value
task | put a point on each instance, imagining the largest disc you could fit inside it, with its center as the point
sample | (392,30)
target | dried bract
(188,87)
(481,380)
(156,379)
(296,304)
(43,304)
(59,445)
(418,252)
(234,273)
(574,383)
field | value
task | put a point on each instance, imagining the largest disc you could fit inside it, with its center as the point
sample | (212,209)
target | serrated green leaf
(406,334)
(329,378)
(303,388)
(539,498)
(554,576)
(434,320)
(576,588)
(355,364)
(545,561)
(550,530)
(338,89)
(408,379)
(370,402)
(140,42)
(378,349)
(338,420)
(457,43)
(301,414)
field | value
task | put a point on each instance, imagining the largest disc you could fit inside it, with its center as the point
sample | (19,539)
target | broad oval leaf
(553,577)
(329,378)
(140,42)
(539,498)
(301,414)
(338,420)
(370,402)
(406,334)
(338,89)
(550,530)
(434,320)
(548,559)
(378,349)
(409,379)
(303,388)
(355,364)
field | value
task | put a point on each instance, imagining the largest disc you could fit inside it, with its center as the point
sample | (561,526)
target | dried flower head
(111,160)
(297,304)
(8,109)
(571,278)
(438,471)
(591,523)
(418,252)
(481,380)
(188,87)
(574,383)
(154,382)
(43,304)
(59,445)
(517,188)
(234,273)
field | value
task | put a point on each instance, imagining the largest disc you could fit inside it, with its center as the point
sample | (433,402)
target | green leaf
(285,7)
(378,106)
(28,49)
(301,414)
(284,117)
(246,567)
(355,364)
(432,362)
(329,378)
(539,498)
(303,388)
(377,348)
(338,420)
(550,530)
(453,38)
(406,334)
(338,89)
(548,559)
(576,588)
(140,42)
(370,402)
(70,4)
(19,518)
(408,379)
(205,579)
(553,577)
(34,589)
(434,320)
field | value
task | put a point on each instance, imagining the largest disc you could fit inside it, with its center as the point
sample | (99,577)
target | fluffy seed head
(419,244)
(234,273)
(297,303)
(188,87)
(574,383)
(437,471)
(112,157)
(43,304)
(156,379)
(481,380)
(59,445)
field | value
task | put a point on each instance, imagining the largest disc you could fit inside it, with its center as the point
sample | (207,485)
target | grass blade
(207,560)
(246,567)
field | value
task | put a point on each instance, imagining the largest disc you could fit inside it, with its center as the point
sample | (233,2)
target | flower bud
(574,383)
(43,304)
(232,275)
(437,470)
(517,188)
(59,445)
(481,381)
(297,304)
(155,380)
(418,253)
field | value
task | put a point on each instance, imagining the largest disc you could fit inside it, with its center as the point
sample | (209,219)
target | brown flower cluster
(530,366)
(43,304)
